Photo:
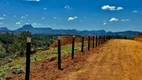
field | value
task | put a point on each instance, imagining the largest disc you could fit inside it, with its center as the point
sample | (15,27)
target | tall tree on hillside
(22,41)
(19,44)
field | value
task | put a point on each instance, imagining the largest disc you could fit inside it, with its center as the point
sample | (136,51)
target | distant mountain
(69,31)
(34,30)
(25,28)
(4,29)
(59,31)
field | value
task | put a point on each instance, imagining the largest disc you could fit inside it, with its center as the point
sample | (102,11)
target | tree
(2,51)
(19,44)
(22,41)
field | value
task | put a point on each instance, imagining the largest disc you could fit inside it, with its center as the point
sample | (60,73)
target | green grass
(41,55)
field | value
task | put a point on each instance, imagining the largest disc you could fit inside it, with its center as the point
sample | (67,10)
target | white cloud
(72,18)
(26,15)
(27,23)
(1,18)
(18,23)
(4,15)
(119,8)
(135,11)
(1,22)
(14,16)
(42,18)
(75,17)
(36,24)
(105,23)
(67,7)
(45,8)
(111,8)
(21,20)
(108,7)
(32,0)
(55,17)
(22,17)
(113,20)
(125,20)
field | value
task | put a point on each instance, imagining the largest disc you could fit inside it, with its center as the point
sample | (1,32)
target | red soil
(115,60)
(138,37)
(47,69)
(66,40)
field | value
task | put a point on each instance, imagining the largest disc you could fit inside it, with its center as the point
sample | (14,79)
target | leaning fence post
(82,48)
(88,42)
(93,42)
(28,53)
(59,52)
(73,40)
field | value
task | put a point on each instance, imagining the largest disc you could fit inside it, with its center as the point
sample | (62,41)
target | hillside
(115,60)
(138,37)
(66,40)
(16,64)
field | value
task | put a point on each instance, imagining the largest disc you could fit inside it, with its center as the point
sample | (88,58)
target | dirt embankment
(115,60)
(66,40)
(138,37)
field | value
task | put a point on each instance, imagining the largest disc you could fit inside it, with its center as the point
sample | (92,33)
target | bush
(2,54)
(2,73)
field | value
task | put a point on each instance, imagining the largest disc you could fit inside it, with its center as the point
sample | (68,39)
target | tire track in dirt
(116,60)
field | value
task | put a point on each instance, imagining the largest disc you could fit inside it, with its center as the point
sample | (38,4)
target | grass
(41,55)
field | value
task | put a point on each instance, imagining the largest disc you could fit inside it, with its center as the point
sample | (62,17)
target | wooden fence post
(59,53)
(88,42)
(100,40)
(82,48)
(93,42)
(104,38)
(73,41)
(28,53)
(96,41)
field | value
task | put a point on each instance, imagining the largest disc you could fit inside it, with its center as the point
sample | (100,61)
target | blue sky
(110,15)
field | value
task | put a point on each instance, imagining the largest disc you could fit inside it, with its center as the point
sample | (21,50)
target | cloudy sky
(110,15)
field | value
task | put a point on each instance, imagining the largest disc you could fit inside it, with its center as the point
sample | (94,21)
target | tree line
(15,44)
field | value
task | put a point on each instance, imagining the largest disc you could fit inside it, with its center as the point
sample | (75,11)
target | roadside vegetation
(12,58)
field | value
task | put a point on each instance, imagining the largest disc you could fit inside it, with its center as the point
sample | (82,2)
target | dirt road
(116,60)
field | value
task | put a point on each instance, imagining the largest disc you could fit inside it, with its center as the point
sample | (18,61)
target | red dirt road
(115,60)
